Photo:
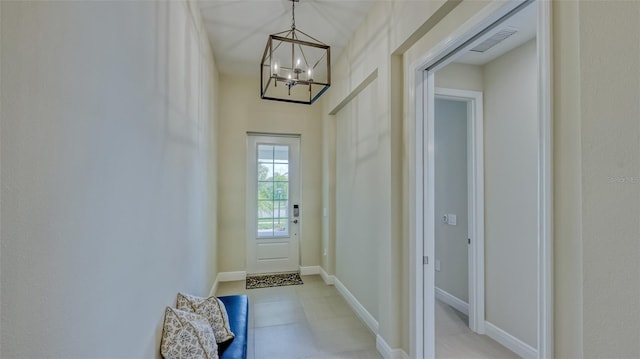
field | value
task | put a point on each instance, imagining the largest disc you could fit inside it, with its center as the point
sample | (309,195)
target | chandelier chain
(293,15)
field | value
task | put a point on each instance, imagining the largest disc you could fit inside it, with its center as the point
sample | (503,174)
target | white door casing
(475,201)
(273,190)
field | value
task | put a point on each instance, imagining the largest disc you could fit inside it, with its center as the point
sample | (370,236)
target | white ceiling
(524,21)
(238,29)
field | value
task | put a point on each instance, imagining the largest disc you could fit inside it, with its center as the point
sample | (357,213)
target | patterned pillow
(211,308)
(187,335)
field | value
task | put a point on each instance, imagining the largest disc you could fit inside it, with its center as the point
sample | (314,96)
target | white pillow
(211,308)
(187,335)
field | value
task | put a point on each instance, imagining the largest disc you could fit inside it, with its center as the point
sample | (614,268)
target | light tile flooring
(313,321)
(454,339)
(302,321)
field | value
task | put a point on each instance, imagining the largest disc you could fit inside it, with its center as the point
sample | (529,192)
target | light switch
(451,219)
(437,265)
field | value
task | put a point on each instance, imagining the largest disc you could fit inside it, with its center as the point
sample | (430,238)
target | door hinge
(425,260)
(469,240)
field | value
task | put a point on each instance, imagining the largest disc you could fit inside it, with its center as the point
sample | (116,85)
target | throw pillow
(211,308)
(187,335)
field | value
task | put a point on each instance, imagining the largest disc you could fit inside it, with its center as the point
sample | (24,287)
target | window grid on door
(273,191)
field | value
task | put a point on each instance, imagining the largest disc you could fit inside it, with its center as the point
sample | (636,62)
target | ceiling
(524,21)
(238,29)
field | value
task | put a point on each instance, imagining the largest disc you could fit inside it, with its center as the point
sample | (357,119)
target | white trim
(387,352)
(429,233)
(478,22)
(416,231)
(510,342)
(214,288)
(309,270)
(231,276)
(366,317)
(475,201)
(328,279)
(453,301)
(545,181)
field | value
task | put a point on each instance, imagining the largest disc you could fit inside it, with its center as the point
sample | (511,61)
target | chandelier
(295,67)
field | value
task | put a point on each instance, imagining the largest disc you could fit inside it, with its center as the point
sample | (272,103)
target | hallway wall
(242,110)
(358,203)
(108,117)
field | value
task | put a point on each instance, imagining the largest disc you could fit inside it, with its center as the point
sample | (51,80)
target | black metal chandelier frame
(290,37)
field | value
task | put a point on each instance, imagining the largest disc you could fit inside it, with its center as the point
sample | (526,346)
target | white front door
(273,203)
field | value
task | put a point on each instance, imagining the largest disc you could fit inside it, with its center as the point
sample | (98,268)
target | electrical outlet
(437,265)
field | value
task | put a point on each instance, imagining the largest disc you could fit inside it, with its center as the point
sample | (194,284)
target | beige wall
(242,111)
(461,76)
(108,119)
(358,202)
(328,193)
(511,183)
(610,138)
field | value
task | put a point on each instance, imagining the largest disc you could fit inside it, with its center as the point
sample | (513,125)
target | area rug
(273,280)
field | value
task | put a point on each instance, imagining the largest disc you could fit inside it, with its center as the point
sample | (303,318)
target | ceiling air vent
(495,39)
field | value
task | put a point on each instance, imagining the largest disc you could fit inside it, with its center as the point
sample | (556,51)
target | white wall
(358,202)
(451,197)
(108,117)
(242,110)
(511,183)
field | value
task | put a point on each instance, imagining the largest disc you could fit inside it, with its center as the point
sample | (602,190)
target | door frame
(475,199)
(421,80)
(252,195)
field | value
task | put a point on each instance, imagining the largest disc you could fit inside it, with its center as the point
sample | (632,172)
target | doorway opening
(517,183)
(459,203)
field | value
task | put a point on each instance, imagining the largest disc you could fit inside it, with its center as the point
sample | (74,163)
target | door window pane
(273,191)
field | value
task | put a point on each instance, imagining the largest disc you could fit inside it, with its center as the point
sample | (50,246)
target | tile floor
(454,339)
(313,321)
(303,321)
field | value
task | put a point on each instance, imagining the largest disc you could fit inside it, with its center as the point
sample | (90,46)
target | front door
(273,203)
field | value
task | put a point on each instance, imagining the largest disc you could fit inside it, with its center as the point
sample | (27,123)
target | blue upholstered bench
(238,311)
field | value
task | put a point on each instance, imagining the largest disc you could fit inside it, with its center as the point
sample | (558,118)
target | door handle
(295,221)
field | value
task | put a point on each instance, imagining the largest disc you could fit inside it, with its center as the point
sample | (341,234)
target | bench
(238,312)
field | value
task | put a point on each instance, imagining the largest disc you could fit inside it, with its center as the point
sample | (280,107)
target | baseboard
(453,301)
(510,342)
(214,287)
(309,270)
(226,277)
(387,352)
(232,276)
(328,279)
(366,317)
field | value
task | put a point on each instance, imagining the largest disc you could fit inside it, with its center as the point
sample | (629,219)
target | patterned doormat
(273,280)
